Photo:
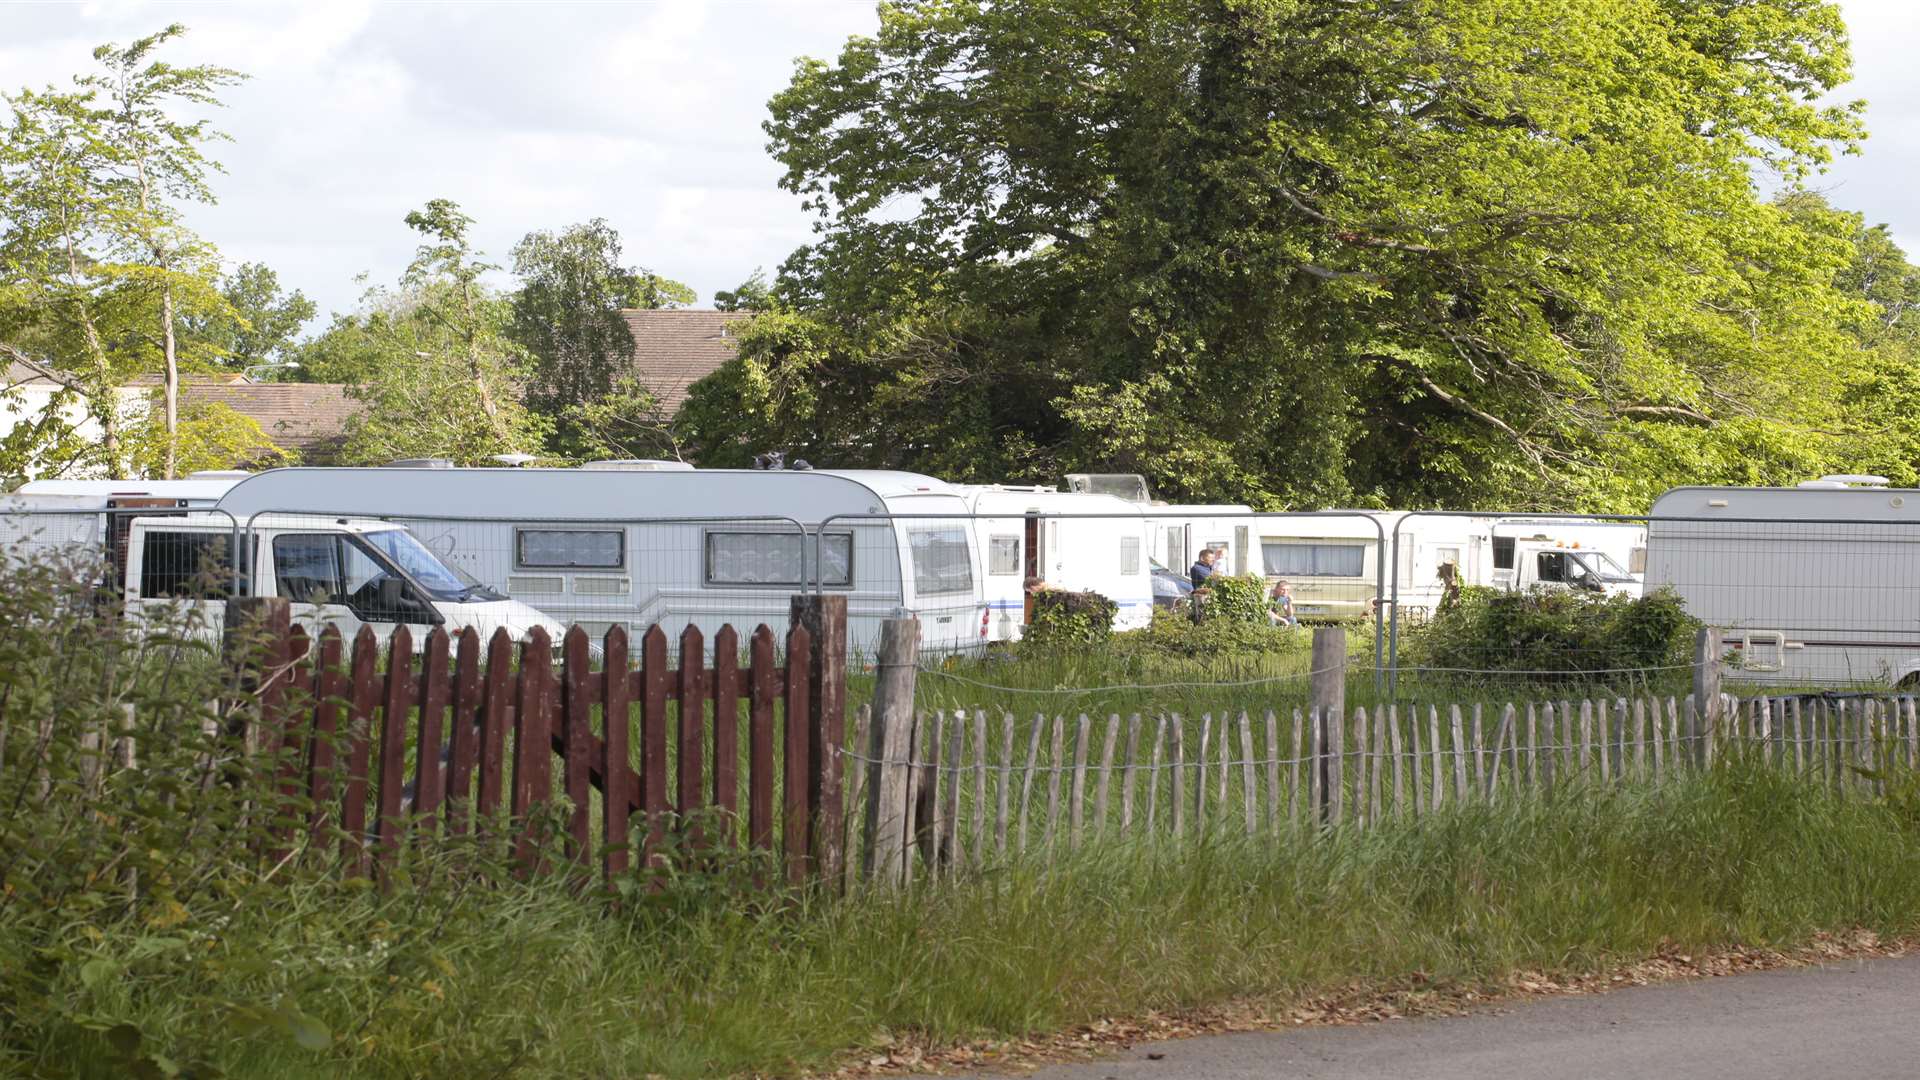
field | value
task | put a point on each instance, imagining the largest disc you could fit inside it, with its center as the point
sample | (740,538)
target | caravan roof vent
(1855,480)
(219,474)
(637,465)
(1129,486)
(1822,485)
(420,463)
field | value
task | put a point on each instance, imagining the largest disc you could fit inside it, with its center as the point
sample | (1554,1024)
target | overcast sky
(538,115)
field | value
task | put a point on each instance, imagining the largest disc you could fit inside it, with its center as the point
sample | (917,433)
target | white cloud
(537,115)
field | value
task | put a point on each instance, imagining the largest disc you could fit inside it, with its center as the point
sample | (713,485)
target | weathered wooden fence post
(889,752)
(825,618)
(1706,693)
(1328,686)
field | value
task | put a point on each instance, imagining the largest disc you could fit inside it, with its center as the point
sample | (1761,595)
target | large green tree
(434,364)
(1298,252)
(566,315)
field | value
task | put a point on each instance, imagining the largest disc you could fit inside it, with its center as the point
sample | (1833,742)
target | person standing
(1200,574)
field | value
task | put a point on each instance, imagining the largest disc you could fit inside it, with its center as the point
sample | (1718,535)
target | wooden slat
(1058,761)
(655,679)
(1479,746)
(1200,775)
(796,826)
(464,752)
(617,776)
(1077,812)
(761,778)
(1501,740)
(1459,749)
(532,741)
(1376,772)
(330,688)
(1296,793)
(1318,811)
(1528,775)
(1104,778)
(1249,787)
(1007,767)
(1154,769)
(290,724)
(1586,742)
(1273,772)
(500,691)
(1639,737)
(1362,811)
(576,734)
(396,710)
(726,734)
(916,814)
(1620,741)
(429,774)
(952,838)
(1439,762)
(360,732)
(1178,790)
(982,765)
(690,736)
(1225,764)
(1132,774)
(1397,747)
(1027,775)
(857,774)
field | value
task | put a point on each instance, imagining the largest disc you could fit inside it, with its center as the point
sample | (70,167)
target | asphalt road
(1857,1020)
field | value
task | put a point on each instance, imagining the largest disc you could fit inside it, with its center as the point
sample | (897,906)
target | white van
(1808,585)
(674,547)
(341,572)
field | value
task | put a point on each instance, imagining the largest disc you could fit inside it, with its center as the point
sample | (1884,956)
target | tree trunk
(173,380)
(104,400)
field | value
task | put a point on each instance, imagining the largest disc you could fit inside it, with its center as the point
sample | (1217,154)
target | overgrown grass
(511,978)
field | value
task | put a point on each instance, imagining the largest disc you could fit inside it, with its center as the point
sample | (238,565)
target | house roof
(306,417)
(672,350)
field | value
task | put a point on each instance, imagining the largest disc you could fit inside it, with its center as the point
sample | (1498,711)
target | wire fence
(1820,600)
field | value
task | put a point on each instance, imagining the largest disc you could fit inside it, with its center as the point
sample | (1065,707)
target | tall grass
(708,978)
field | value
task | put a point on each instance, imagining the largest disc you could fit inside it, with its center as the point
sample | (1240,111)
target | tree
(436,366)
(264,319)
(1294,253)
(95,243)
(206,435)
(753,294)
(156,164)
(566,315)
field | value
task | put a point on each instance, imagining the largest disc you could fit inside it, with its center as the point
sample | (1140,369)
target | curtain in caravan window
(940,562)
(770,558)
(1003,555)
(1314,560)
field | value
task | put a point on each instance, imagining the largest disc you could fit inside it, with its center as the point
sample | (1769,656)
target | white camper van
(1070,540)
(674,546)
(1818,584)
(340,572)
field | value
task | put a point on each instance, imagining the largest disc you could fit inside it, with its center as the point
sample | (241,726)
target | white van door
(307,570)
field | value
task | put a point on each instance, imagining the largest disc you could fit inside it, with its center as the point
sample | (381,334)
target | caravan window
(569,549)
(1290,559)
(1503,553)
(1129,555)
(770,558)
(940,561)
(1003,555)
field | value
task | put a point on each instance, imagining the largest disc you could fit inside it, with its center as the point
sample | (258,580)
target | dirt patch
(1357,1003)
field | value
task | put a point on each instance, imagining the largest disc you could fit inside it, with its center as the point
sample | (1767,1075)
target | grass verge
(502,978)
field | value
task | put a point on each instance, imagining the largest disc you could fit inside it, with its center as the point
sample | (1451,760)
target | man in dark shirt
(1200,573)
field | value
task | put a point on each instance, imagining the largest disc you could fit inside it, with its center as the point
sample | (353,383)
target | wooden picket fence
(950,791)
(651,757)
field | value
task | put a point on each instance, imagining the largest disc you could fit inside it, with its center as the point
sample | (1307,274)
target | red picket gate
(506,726)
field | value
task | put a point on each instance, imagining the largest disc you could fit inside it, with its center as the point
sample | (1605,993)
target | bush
(1173,634)
(1239,599)
(1063,619)
(1547,633)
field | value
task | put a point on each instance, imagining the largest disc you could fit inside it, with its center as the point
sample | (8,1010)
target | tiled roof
(306,417)
(672,350)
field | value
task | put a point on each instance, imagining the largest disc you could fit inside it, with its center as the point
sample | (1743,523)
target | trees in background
(264,320)
(566,315)
(1301,253)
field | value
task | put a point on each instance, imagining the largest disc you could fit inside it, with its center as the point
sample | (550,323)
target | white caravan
(1332,560)
(340,572)
(1070,540)
(1818,584)
(674,547)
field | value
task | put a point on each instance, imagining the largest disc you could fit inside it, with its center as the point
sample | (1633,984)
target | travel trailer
(1069,540)
(1333,559)
(1818,584)
(674,546)
(178,567)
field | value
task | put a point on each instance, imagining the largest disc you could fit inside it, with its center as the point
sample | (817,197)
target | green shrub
(1239,599)
(1173,634)
(1064,619)
(1546,632)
